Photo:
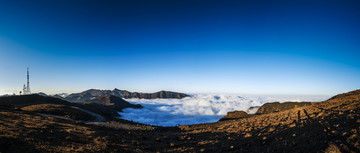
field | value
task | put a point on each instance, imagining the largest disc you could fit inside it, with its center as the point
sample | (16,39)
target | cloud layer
(199,108)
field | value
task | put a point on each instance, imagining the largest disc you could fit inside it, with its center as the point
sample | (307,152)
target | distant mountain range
(61,95)
(93,93)
(111,101)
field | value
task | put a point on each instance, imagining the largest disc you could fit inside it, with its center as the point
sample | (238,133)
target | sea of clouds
(199,108)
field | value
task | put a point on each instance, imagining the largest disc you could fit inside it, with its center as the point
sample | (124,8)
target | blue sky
(256,47)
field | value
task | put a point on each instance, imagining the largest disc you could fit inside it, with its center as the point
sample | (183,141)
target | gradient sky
(247,46)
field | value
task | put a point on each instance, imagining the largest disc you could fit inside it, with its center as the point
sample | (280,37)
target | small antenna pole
(28,84)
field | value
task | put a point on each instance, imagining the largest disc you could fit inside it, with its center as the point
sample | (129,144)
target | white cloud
(200,108)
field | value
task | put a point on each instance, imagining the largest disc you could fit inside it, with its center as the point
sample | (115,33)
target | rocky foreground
(332,125)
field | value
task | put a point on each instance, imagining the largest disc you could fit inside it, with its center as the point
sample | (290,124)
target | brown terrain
(329,126)
(278,107)
(234,115)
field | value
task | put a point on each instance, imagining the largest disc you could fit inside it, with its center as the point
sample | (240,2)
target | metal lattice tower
(26,89)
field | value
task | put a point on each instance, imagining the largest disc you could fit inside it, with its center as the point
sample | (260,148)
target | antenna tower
(26,89)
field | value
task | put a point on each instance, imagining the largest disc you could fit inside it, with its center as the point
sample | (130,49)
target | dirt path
(56,116)
(98,117)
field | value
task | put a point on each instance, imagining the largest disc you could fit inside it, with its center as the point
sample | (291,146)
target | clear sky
(247,46)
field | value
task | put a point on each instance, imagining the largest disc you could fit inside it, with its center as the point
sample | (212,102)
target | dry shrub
(332,149)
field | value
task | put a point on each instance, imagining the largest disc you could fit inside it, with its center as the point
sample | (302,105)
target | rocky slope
(107,106)
(278,107)
(349,96)
(93,93)
(321,127)
(329,126)
(27,100)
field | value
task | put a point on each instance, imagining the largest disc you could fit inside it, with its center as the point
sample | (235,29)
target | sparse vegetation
(60,110)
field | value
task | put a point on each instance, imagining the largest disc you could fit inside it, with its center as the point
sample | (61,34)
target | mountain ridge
(109,104)
(93,93)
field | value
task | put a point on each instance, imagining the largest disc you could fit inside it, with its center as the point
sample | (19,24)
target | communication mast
(26,89)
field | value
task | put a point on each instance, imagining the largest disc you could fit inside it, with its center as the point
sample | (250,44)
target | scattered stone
(344,133)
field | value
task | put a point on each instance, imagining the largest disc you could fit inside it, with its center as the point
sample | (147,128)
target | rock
(252,110)
(234,115)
